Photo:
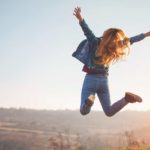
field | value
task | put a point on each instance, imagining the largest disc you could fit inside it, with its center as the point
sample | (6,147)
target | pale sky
(38,37)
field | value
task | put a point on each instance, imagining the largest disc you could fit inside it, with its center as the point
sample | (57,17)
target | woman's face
(120,35)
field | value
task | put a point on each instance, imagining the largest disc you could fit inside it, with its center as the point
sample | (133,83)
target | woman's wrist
(147,34)
(80,19)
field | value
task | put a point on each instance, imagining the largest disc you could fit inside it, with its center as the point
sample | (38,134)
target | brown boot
(90,100)
(132,98)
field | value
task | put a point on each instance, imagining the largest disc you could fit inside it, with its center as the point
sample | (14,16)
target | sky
(38,37)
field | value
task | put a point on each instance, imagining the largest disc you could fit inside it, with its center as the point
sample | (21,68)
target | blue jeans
(94,84)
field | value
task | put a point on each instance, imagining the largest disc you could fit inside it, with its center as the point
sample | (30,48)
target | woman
(98,54)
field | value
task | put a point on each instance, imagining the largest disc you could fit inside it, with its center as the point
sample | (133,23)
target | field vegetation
(26,129)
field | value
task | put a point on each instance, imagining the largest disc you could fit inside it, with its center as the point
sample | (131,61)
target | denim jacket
(85,52)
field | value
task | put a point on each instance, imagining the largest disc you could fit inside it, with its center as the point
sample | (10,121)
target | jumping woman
(97,54)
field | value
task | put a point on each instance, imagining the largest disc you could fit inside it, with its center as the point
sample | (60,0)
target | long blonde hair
(113,47)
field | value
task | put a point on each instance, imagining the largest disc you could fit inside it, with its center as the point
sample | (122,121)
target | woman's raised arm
(87,31)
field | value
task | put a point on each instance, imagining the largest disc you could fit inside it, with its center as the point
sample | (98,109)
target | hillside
(39,129)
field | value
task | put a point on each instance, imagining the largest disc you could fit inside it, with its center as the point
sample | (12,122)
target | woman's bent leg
(88,89)
(104,97)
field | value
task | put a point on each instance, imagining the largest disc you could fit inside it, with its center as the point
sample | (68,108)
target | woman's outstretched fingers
(77,13)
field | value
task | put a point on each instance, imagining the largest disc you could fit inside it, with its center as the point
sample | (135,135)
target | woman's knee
(83,112)
(108,113)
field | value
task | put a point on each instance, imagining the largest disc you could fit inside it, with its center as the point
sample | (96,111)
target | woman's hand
(77,13)
(147,34)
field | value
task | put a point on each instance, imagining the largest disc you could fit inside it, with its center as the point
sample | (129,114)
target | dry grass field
(23,129)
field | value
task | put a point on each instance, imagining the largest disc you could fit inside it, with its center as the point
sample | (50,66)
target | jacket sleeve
(137,38)
(87,31)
